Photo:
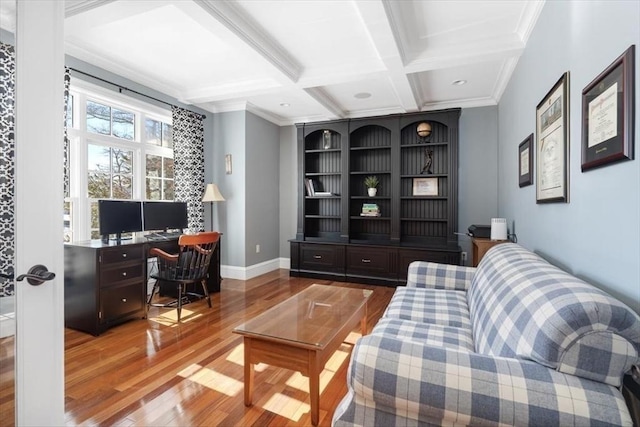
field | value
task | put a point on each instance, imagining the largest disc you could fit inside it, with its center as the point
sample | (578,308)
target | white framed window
(120,148)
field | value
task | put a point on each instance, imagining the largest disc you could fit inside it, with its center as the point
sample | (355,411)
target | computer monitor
(165,216)
(119,216)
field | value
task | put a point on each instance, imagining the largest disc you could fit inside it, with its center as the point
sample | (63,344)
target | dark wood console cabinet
(106,283)
(333,240)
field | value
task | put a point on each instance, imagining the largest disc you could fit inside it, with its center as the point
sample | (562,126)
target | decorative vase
(326,139)
(372,191)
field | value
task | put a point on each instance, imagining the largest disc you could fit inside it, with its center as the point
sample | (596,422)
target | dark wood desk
(106,283)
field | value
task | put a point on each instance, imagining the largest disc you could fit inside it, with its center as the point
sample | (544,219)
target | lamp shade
(212,194)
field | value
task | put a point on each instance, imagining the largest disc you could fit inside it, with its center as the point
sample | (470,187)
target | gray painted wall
(229,216)
(477,170)
(288,188)
(595,236)
(262,195)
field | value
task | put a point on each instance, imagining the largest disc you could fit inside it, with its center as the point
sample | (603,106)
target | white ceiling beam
(465,55)
(326,101)
(383,29)
(251,33)
(72,8)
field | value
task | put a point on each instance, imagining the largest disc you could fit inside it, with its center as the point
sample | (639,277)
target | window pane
(154,163)
(98,158)
(167,167)
(167,135)
(99,185)
(123,124)
(94,219)
(122,161)
(153,189)
(153,132)
(169,193)
(122,187)
(69,122)
(98,118)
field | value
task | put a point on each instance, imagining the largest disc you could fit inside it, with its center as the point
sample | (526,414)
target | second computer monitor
(165,215)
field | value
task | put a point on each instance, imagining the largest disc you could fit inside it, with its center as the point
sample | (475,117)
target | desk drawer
(122,300)
(378,262)
(322,257)
(121,254)
(120,274)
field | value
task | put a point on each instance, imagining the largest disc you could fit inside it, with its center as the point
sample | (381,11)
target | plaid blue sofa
(515,341)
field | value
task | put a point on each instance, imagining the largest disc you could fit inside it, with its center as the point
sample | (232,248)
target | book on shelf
(314,188)
(370,209)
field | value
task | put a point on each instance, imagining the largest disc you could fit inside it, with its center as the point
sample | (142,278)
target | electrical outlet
(463,258)
(257,249)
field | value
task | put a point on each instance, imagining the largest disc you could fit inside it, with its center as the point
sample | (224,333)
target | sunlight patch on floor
(300,382)
(212,379)
(286,406)
(170,318)
(237,356)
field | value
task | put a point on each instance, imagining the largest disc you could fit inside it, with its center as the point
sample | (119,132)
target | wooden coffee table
(302,333)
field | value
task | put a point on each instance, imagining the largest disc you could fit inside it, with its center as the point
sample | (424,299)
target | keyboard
(163,236)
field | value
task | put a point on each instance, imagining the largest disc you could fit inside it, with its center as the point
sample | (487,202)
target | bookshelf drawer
(318,257)
(367,261)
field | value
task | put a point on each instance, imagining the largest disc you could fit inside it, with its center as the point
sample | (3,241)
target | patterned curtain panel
(67,83)
(188,158)
(7,145)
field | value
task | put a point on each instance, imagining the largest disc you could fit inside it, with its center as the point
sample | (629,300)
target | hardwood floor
(156,372)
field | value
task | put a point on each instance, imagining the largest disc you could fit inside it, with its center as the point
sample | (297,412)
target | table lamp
(212,194)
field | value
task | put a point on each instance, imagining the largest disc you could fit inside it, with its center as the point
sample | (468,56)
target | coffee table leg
(363,322)
(314,387)
(248,373)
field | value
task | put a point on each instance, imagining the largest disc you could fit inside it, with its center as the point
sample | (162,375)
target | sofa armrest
(423,274)
(448,386)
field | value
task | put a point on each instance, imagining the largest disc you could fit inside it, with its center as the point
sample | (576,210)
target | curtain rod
(121,88)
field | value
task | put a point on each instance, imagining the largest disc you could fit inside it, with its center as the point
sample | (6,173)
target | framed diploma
(525,162)
(608,114)
(552,146)
(425,186)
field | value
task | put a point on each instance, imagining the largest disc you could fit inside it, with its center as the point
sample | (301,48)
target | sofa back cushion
(522,306)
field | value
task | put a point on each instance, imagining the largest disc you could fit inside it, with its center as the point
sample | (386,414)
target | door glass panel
(7,230)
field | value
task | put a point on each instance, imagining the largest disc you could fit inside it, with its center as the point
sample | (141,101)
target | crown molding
(504,76)
(466,103)
(528,19)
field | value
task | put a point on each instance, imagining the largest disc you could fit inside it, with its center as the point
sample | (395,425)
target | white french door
(38,207)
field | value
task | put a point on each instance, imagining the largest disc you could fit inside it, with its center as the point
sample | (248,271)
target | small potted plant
(371,182)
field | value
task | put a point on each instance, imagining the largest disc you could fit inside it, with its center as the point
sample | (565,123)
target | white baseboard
(246,273)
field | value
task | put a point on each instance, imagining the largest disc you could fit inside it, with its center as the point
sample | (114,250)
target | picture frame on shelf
(425,186)
(525,162)
(608,114)
(552,144)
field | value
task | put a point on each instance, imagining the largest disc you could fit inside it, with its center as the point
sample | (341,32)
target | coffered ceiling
(306,60)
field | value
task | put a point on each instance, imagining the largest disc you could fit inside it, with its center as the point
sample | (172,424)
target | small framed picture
(425,186)
(227,164)
(525,162)
(608,114)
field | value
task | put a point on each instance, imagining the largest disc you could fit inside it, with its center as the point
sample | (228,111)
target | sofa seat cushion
(437,306)
(425,333)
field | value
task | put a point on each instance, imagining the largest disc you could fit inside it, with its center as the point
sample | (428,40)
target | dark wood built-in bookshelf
(333,240)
